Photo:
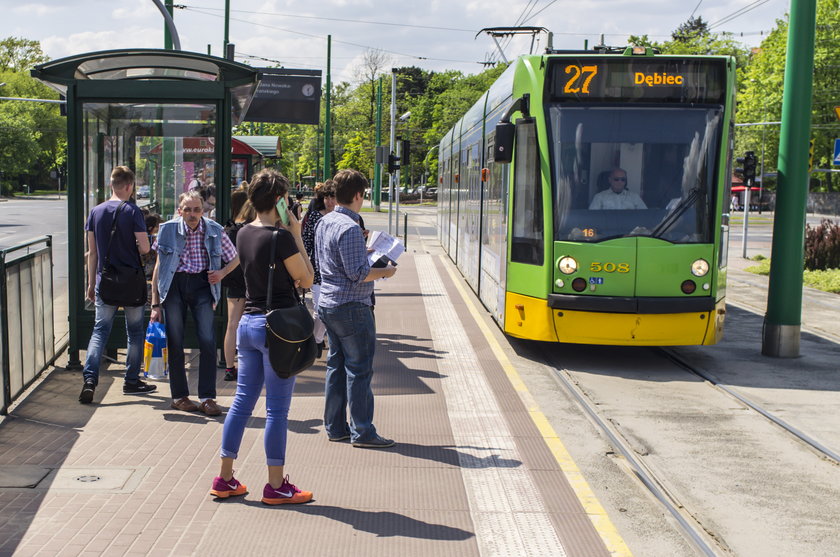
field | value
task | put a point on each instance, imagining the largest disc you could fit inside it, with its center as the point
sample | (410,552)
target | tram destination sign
(287,96)
(627,79)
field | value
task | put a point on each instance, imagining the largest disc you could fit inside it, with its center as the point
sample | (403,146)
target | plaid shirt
(194,258)
(342,257)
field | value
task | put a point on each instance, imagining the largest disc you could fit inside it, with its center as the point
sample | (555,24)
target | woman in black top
(242,213)
(253,243)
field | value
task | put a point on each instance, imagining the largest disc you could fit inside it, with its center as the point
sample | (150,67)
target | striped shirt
(342,257)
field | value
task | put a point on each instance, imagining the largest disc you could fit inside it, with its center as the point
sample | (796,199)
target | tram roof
(143,64)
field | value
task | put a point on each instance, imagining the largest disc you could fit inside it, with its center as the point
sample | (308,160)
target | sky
(434,35)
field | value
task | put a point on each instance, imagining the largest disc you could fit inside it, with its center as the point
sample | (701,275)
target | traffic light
(747,169)
(404,152)
(393,163)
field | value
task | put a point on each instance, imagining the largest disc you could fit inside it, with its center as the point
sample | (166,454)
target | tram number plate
(596,280)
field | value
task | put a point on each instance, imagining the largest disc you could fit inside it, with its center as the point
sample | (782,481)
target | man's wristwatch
(155,305)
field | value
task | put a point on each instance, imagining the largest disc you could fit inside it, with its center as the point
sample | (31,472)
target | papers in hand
(383,249)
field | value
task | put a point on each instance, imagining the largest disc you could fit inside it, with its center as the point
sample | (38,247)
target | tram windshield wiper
(677,212)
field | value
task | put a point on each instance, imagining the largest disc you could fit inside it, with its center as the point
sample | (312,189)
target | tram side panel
(494,224)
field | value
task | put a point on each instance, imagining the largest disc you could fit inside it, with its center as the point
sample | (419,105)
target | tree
(375,61)
(694,27)
(760,99)
(18,54)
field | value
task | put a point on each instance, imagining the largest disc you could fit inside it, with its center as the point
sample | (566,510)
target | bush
(822,246)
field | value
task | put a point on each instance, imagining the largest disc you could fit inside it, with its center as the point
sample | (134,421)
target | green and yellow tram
(584,197)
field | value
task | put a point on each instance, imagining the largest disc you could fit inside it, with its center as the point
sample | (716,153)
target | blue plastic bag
(155,353)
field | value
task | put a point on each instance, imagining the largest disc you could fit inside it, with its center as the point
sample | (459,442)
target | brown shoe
(210,407)
(184,404)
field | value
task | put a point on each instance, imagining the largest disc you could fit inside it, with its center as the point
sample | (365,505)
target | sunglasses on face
(619,179)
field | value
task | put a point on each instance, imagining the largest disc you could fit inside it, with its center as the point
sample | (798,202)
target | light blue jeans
(254,370)
(99,339)
(352,334)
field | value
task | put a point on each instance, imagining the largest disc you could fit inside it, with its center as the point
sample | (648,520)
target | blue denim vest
(172,238)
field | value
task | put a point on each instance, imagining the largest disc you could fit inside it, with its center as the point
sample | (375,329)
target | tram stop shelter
(165,114)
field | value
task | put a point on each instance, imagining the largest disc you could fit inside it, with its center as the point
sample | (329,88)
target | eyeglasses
(619,179)
(192,210)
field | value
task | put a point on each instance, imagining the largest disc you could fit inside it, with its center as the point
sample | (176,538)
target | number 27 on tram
(584,197)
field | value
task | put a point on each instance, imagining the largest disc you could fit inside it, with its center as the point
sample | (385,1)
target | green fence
(27,337)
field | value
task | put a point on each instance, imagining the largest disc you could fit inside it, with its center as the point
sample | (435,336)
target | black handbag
(121,285)
(289,332)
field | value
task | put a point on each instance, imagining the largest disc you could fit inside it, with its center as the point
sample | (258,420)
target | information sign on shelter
(287,96)
(836,160)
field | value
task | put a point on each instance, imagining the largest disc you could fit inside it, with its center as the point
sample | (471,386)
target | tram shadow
(736,360)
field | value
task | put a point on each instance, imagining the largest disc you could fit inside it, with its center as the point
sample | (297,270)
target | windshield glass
(634,171)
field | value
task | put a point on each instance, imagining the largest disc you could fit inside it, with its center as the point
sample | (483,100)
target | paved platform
(478,468)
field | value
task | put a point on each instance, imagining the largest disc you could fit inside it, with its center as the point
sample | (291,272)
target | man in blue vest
(191,250)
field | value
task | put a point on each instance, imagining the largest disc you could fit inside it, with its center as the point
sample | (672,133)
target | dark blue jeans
(352,334)
(190,291)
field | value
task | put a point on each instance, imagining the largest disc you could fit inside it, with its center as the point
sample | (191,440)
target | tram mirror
(503,150)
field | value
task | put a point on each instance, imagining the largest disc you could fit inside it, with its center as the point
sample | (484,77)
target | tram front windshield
(624,171)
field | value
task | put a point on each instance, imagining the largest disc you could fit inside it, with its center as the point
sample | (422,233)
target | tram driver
(617,196)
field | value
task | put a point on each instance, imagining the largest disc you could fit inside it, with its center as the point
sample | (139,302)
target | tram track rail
(826,452)
(690,527)
(704,540)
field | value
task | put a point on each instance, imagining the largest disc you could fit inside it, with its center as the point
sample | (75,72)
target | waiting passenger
(618,196)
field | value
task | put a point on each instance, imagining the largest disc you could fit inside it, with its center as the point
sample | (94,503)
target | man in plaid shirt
(191,251)
(344,307)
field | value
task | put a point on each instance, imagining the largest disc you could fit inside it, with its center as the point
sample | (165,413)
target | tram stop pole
(783,320)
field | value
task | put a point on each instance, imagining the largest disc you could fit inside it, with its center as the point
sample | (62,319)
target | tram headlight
(699,268)
(567,265)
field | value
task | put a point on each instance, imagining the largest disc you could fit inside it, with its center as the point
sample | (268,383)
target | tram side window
(527,225)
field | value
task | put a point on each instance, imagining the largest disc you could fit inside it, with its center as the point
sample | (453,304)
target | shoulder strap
(271,264)
(271,274)
(111,237)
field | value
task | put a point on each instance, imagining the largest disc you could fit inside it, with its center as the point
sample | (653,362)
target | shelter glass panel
(171,147)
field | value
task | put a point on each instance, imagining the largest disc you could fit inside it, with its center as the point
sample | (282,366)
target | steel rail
(638,468)
(805,438)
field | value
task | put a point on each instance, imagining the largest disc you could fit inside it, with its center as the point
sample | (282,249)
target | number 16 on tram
(584,197)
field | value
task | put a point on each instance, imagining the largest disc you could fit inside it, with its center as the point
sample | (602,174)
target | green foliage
(20,55)
(763,268)
(822,246)
(32,134)
(827,281)
(760,96)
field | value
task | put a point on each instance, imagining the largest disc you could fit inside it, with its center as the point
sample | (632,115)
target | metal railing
(27,335)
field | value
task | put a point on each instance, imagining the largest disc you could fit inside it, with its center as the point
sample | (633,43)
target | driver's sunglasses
(620,179)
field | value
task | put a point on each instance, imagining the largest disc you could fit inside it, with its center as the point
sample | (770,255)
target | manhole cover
(88,479)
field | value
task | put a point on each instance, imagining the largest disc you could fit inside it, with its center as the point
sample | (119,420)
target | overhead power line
(342,20)
(738,13)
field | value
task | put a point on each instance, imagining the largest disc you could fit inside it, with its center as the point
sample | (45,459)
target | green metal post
(327,118)
(377,172)
(227,28)
(75,236)
(167,36)
(783,320)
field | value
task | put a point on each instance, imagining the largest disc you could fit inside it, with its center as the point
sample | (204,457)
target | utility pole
(227,28)
(783,320)
(167,36)
(328,117)
(377,167)
(393,145)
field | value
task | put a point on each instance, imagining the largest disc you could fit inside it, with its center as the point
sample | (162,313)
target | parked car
(143,192)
